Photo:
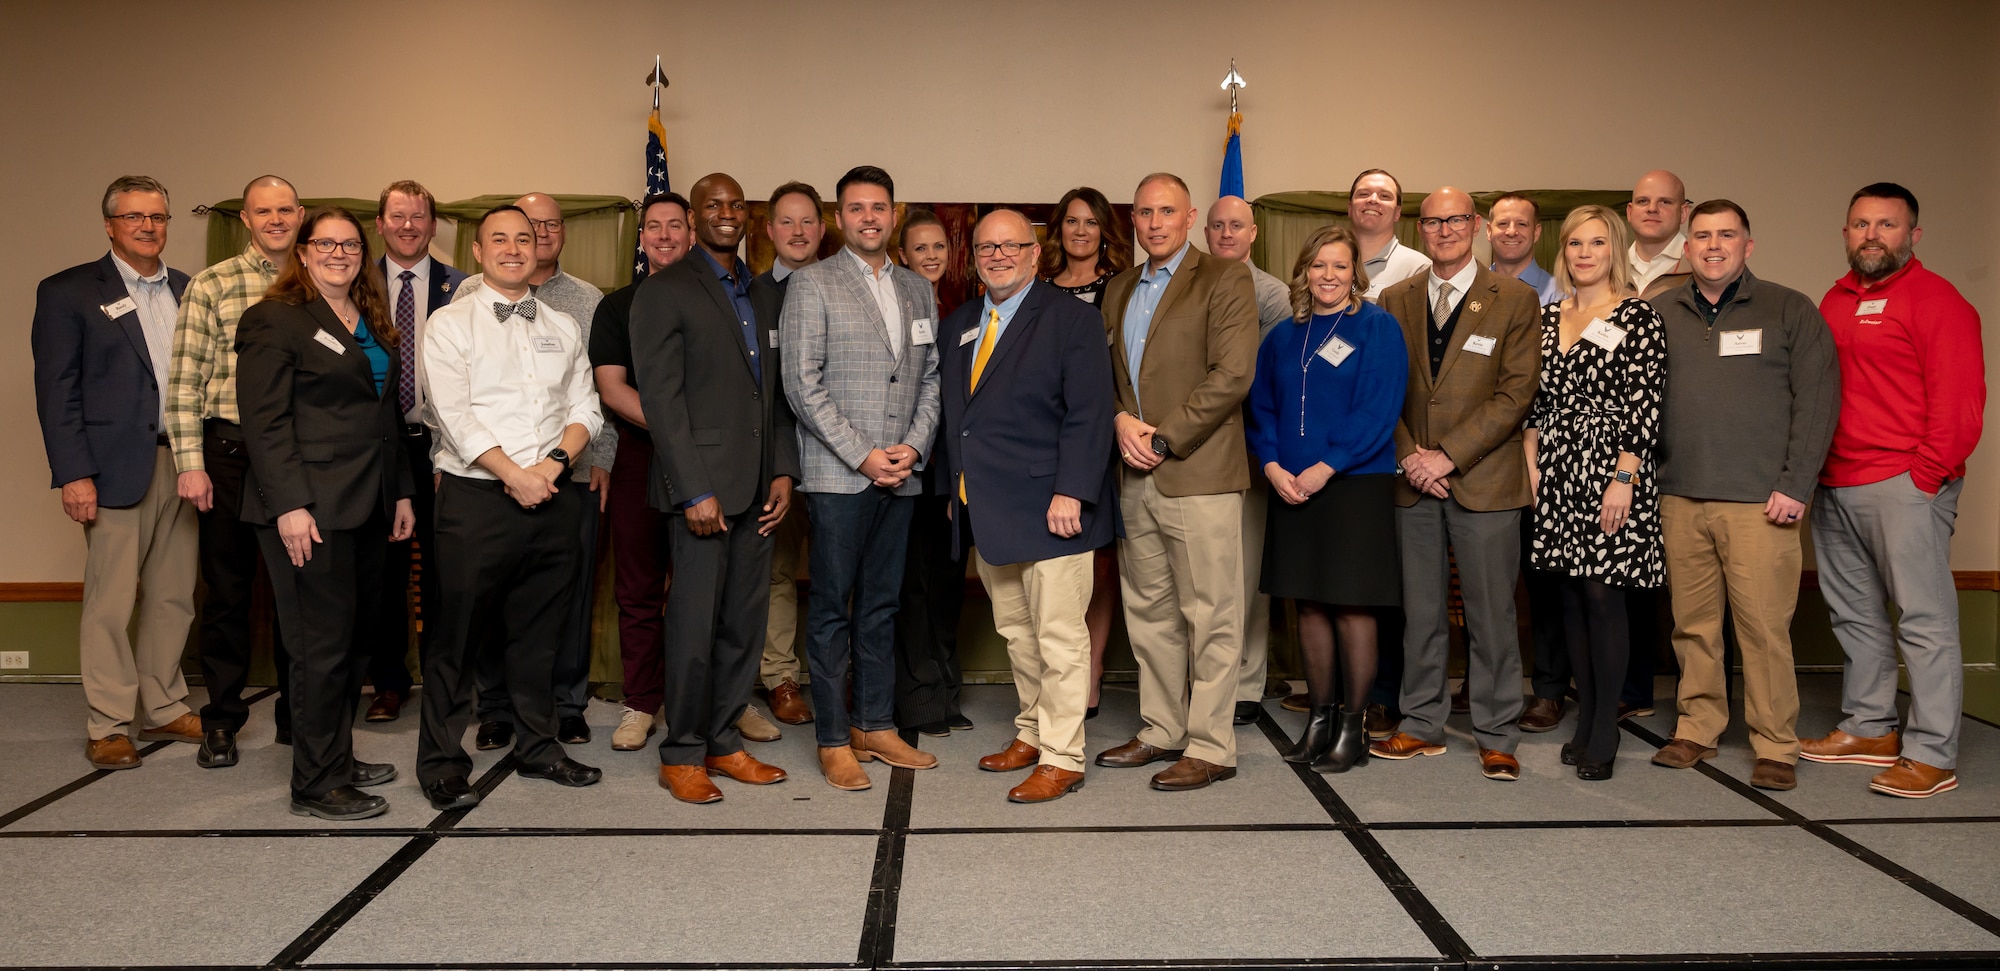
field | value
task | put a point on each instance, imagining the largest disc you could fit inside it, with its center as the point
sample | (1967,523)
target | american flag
(656,173)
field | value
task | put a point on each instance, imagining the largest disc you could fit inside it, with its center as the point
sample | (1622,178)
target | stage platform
(1417,865)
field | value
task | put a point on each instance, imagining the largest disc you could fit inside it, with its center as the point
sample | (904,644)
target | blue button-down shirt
(1542,280)
(1007,308)
(1146,296)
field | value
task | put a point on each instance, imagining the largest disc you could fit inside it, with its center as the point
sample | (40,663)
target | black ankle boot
(1316,739)
(1350,748)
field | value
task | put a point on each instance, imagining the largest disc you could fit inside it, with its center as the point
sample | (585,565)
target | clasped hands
(1426,468)
(1295,489)
(1135,442)
(888,467)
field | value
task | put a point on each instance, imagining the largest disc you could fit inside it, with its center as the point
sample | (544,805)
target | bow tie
(525,308)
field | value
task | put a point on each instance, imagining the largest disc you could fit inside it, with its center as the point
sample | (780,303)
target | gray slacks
(1488,549)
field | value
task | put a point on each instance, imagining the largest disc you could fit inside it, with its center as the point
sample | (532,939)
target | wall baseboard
(1965,579)
(41,593)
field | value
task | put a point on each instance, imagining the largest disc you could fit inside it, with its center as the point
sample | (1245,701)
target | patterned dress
(1595,402)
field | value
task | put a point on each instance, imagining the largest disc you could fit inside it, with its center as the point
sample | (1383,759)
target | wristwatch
(1623,476)
(1160,446)
(560,455)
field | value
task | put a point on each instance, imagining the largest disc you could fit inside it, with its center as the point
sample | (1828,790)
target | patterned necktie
(406,341)
(979,359)
(1441,309)
(502,311)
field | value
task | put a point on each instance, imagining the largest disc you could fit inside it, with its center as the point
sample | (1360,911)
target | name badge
(1867,307)
(330,342)
(548,345)
(968,337)
(1335,351)
(1603,334)
(125,305)
(1736,343)
(774,340)
(1482,346)
(920,331)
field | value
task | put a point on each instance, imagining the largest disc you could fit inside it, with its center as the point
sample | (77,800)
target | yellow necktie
(986,342)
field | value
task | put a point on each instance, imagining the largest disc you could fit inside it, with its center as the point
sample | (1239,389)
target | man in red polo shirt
(1912,392)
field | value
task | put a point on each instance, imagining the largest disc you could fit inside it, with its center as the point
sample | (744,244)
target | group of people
(1175,429)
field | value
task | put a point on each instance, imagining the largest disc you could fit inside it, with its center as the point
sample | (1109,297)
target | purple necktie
(406,341)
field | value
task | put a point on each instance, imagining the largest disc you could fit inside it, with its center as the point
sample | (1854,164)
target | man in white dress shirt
(1658,214)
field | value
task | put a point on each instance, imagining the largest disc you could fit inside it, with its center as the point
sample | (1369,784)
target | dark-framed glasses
(137,219)
(1430,224)
(547,225)
(351,247)
(1009,248)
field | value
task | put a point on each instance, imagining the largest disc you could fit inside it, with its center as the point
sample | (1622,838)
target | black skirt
(1338,547)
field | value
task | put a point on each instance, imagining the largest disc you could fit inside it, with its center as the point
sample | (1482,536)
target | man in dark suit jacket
(1026,458)
(102,338)
(417,284)
(725,455)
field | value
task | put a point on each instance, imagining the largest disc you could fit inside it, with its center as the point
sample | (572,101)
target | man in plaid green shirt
(209,455)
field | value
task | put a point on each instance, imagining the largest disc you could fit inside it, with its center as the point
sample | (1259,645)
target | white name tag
(774,340)
(968,337)
(1482,346)
(1736,343)
(920,331)
(548,345)
(1335,351)
(330,342)
(1603,334)
(124,306)
(1867,307)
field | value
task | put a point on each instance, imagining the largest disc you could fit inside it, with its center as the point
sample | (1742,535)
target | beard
(1878,266)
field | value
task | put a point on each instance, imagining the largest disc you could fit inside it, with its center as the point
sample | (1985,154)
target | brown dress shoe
(756,727)
(186,728)
(1134,754)
(1405,746)
(838,765)
(1635,711)
(1191,773)
(1775,775)
(1378,722)
(885,744)
(1296,702)
(743,768)
(1461,700)
(1543,715)
(788,704)
(1017,755)
(1911,779)
(1046,783)
(1838,746)
(1499,765)
(1682,753)
(111,752)
(387,707)
(689,783)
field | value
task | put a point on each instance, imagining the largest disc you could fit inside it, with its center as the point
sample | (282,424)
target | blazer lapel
(1118,296)
(1471,313)
(727,308)
(110,290)
(859,289)
(328,321)
(1409,311)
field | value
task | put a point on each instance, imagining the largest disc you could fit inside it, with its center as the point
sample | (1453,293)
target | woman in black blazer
(329,486)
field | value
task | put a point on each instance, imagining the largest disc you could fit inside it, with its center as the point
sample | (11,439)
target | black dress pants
(716,613)
(389,648)
(503,573)
(928,676)
(229,556)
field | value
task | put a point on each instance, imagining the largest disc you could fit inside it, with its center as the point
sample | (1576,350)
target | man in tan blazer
(1183,335)
(1475,361)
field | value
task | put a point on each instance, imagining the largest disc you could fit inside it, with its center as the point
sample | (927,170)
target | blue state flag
(1232,159)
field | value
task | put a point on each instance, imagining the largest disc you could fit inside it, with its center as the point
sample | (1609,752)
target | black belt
(163,441)
(413,429)
(223,429)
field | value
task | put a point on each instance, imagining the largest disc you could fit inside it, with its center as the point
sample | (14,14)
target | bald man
(592,471)
(1658,214)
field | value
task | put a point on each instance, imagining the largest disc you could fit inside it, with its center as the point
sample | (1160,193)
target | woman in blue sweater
(1323,410)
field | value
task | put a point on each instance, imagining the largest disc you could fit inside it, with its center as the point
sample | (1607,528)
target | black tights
(1600,645)
(1318,623)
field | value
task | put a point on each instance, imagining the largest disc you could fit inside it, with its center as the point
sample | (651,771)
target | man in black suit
(102,338)
(725,455)
(418,284)
(1026,457)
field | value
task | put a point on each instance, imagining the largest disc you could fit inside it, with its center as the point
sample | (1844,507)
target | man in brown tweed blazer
(1475,361)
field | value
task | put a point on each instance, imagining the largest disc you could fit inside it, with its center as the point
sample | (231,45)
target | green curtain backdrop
(1286,219)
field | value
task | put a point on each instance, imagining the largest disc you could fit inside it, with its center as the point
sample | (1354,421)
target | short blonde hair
(1321,238)
(1614,232)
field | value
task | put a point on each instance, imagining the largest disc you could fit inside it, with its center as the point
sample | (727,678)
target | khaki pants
(1256,606)
(140,562)
(1038,607)
(781,633)
(1717,550)
(1181,572)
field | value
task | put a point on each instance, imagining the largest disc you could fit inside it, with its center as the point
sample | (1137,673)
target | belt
(412,429)
(222,428)
(163,441)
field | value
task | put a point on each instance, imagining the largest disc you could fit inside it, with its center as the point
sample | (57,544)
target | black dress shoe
(959,723)
(284,736)
(1090,713)
(936,729)
(340,804)
(1593,771)
(494,735)
(453,793)
(1569,753)
(572,730)
(563,772)
(218,749)
(373,773)
(1247,712)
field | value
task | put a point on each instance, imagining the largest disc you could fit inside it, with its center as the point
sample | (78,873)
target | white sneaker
(634,727)
(756,727)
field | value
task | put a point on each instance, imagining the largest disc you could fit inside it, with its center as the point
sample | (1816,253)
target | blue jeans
(857,550)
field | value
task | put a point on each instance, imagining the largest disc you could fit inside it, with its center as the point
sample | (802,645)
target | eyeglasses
(351,247)
(1430,224)
(547,225)
(136,219)
(1010,248)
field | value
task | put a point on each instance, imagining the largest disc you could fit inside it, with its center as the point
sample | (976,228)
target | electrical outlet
(13,659)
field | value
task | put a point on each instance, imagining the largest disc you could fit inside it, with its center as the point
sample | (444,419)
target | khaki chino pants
(139,560)
(781,634)
(1038,607)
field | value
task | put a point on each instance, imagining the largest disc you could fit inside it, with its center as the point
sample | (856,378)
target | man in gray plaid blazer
(861,370)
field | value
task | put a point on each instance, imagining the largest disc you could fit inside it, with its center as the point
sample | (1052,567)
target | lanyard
(1306,359)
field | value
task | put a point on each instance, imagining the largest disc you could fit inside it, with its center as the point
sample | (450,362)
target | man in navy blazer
(103,337)
(417,284)
(1027,445)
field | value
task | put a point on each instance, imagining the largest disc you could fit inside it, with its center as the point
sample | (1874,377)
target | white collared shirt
(1644,272)
(514,385)
(1460,282)
(420,289)
(157,312)
(882,286)
(1393,265)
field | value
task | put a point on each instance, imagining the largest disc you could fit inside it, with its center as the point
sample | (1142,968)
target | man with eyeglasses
(418,284)
(208,451)
(1658,215)
(1374,207)
(1475,362)
(592,470)
(102,335)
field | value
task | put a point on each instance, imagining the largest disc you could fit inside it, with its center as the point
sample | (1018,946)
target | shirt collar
(888,265)
(1007,307)
(780,271)
(739,281)
(132,277)
(419,274)
(1387,251)
(1852,281)
(1171,267)
(255,257)
(1460,281)
(1669,254)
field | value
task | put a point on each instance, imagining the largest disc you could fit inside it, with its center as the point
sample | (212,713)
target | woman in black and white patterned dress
(1590,441)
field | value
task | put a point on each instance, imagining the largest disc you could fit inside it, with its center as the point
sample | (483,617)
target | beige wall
(1787,110)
